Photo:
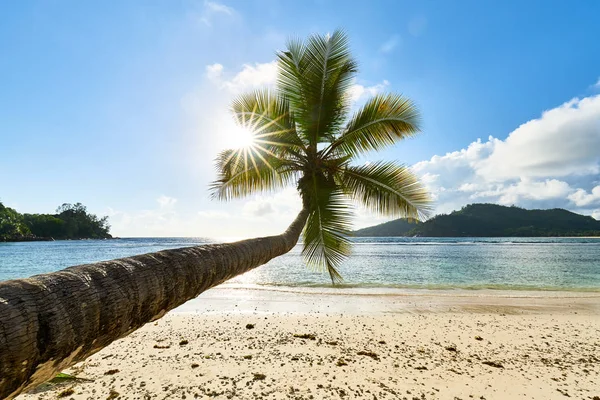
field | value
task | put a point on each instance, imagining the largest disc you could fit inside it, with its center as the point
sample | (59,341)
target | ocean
(412,263)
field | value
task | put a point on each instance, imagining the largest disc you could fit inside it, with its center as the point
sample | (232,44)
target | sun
(233,135)
(241,137)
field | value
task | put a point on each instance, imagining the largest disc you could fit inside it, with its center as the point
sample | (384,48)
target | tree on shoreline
(71,221)
(12,224)
(303,135)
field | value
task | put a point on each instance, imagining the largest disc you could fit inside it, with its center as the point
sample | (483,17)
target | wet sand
(236,343)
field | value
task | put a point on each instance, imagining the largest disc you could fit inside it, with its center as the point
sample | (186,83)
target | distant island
(71,221)
(491,220)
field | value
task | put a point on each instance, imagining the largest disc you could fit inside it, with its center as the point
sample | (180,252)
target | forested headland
(71,221)
(492,220)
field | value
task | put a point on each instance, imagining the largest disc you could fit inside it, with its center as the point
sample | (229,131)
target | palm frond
(290,82)
(329,221)
(250,170)
(329,73)
(268,117)
(382,121)
(386,188)
(315,77)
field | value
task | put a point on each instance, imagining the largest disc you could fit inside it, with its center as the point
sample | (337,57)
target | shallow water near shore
(523,264)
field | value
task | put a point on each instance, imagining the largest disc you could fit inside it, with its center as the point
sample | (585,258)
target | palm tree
(303,134)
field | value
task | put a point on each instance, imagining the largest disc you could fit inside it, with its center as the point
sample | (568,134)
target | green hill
(492,220)
(397,227)
(71,221)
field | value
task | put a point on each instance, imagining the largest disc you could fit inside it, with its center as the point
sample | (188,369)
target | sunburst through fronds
(257,141)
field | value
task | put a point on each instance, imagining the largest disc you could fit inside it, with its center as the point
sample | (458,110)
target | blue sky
(123,105)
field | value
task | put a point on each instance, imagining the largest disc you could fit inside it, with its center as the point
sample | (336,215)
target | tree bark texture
(51,321)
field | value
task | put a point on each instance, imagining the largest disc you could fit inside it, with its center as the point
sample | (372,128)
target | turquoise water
(472,263)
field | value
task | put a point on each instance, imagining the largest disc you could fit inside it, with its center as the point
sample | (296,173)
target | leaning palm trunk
(51,321)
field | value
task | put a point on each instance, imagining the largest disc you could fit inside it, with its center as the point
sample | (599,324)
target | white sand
(419,345)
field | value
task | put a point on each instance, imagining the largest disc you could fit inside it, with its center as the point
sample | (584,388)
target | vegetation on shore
(71,221)
(492,220)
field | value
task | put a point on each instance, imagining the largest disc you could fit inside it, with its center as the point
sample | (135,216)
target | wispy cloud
(597,84)
(218,7)
(212,9)
(390,44)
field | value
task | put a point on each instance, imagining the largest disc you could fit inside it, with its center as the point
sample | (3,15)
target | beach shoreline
(244,343)
(247,299)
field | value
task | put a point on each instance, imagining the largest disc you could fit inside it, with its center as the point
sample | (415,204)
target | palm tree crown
(304,134)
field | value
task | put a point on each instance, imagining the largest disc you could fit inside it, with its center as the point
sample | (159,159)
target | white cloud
(564,141)
(550,161)
(214,214)
(364,218)
(214,72)
(212,9)
(526,189)
(582,198)
(283,204)
(390,44)
(597,84)
(166,201)
(360,93)
(259,215)
(215,7)
(260,209)
(250,77)
(467,187)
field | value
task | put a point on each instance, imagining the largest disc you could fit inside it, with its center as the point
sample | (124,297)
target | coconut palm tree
(303,135)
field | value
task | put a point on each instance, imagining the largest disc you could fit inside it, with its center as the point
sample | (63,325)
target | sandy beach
(251,343)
